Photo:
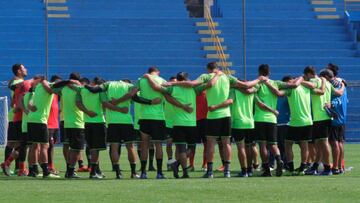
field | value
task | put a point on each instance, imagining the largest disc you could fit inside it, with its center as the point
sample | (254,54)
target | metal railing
(216,41)
(351,5)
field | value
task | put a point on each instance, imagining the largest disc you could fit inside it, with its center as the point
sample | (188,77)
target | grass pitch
(343,188)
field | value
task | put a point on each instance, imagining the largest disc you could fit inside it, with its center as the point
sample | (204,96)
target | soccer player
(39,106)
(14,128)
(184,119)
(53,126)
(218,117)
(152,123)
(169,114)
(117,101)
(321,95)
(337,129)
(95,129)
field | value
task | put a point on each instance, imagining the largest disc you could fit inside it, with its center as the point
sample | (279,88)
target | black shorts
(297,134)
(53,134)
(63,138)
(169,133)
(321,130)
(121,133)
(95,136)
(266,132)
(25,139)
(337,133)
(201,131)
(14,131)
(184,135)
(76,138)
(243,135)
(218,128)
(38,133)
(154,128)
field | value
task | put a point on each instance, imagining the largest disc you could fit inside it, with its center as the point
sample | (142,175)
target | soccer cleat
(83,169)
(208,175)
(135,176)
(335,171)
(152,168)
(190,168)
(5,169)
(143,176)
(279,168)
(32,174)
(227,174)
(95,177)
(117,176)
(243,175)
(310,171)
(266,174)
(185,176)
(55,172)
(298,172)
(51,176)
(341,171)
(326,173)
(160,176)
(175,169)
(204,168)
(22,173)
(221,168)
(72,176)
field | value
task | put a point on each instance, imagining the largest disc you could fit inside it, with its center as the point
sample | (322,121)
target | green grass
(344,188)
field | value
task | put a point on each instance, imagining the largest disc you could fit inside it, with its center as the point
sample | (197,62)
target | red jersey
(53,121)
(201,106)
(20,91)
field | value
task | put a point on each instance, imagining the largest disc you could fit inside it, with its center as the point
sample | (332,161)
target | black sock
(97,168)
(209,167)
(315,166)
(227,166)
(185,172)
(255,166)
(243,170)
(81,163)
(223,162)
(139,154)
(302,166)
(36,169)
(159,163)
(17,163)
(133,168)
(151,157)
(278,158)
(8,151)
(93,168)
(291,166)
(117,169)
(250,169)
(71,170)
(45,169)
(31,170)
(143,166)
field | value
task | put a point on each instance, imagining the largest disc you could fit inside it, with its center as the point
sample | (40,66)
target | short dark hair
(264,70)
(153,69)
(309,70)
(172,78)
(55,78)
(16,67)
(287,78)
(326,73)
(84,80)
(181,76)
(334,68)
(126,80)
(212,66)
(98,80)
(74,76)
(36,77)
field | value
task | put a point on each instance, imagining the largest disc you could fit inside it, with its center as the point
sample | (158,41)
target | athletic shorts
(154,128)
(95,136)
(169,133)
(337,133)
(184,135)
(14,131)
(76,138)
(266,132)
(243,135)
(201,131)
(38,133)
(63,138)
(121,133)
(25,139)
(321,130)
(53,135)
(297,134)
(218,128)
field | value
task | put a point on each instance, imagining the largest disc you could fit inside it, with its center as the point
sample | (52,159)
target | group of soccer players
(213,109)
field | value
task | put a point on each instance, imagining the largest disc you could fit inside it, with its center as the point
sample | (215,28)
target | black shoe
(335,171)
(175,169)
(119,176)
(96,176)
(135,176)
(266,173)
(208,175)
(185,176)
(279,168)
(73,176)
